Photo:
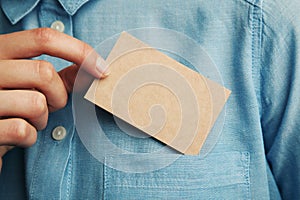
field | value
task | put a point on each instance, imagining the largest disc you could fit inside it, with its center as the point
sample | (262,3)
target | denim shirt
(255,46)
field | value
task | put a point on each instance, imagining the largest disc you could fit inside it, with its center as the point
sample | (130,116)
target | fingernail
(102,67)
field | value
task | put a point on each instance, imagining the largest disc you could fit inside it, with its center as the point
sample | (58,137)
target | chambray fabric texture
(254,44)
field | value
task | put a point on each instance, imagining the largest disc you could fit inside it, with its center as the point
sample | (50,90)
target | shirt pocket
(217,176)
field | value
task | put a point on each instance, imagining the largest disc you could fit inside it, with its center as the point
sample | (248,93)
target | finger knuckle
(43,36)
(39,103)
(85,51)
(45,72)
(19,130)
(43,123)
(63,101)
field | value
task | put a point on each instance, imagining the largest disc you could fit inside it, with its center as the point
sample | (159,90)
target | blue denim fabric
(254,44)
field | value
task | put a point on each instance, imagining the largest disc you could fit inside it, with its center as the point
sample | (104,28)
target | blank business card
(158,95)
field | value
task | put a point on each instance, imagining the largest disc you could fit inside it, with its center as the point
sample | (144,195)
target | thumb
(82,77)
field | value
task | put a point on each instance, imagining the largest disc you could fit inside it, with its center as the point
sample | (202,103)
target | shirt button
(59,133)
(58,25)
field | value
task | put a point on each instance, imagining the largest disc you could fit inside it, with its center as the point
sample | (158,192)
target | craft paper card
(158,95)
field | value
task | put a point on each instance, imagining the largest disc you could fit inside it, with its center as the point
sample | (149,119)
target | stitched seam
(70,169)
(36,168)
(253,2)
(256,26)
(246,162)
(170,187)
(105,179)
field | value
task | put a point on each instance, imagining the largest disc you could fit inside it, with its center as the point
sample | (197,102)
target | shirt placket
(50,173)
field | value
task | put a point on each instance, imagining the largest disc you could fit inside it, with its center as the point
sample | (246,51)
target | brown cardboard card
(158,95)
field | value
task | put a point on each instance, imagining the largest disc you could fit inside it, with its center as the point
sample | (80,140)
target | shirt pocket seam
(241,170)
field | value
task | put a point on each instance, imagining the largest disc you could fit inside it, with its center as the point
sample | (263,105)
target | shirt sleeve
(280,93)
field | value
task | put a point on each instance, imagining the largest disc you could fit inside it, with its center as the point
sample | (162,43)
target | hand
(29,89)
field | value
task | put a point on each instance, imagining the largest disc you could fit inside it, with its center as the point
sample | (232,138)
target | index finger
(31,43)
